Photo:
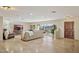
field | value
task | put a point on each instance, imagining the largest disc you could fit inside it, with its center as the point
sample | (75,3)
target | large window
(46,27)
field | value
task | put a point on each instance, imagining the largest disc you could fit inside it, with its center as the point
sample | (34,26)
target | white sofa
(26,36)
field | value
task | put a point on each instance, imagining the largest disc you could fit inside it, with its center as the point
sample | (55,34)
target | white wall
(1,28)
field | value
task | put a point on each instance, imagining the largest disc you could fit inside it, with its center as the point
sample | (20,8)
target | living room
(32,25)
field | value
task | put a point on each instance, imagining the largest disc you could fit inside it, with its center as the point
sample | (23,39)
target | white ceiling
(39,13)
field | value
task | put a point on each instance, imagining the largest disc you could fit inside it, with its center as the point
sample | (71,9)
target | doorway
(69,30)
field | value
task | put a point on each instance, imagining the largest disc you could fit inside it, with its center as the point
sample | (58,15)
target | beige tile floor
(41,45)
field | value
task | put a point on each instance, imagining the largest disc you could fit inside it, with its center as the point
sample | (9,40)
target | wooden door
(69,30)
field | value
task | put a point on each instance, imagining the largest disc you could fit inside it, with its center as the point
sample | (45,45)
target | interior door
(69,30)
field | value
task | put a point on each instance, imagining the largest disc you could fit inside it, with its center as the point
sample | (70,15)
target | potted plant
(54,27)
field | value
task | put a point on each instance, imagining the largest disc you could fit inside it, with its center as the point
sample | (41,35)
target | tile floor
(41,45)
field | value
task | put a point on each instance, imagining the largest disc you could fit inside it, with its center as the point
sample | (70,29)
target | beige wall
(77,29)
(1,28)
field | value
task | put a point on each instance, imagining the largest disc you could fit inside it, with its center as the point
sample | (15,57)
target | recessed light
(30,14)
(53,11)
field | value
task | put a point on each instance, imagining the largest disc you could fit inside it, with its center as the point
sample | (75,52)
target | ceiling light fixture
(53,11)
(7,7)
(30,14)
